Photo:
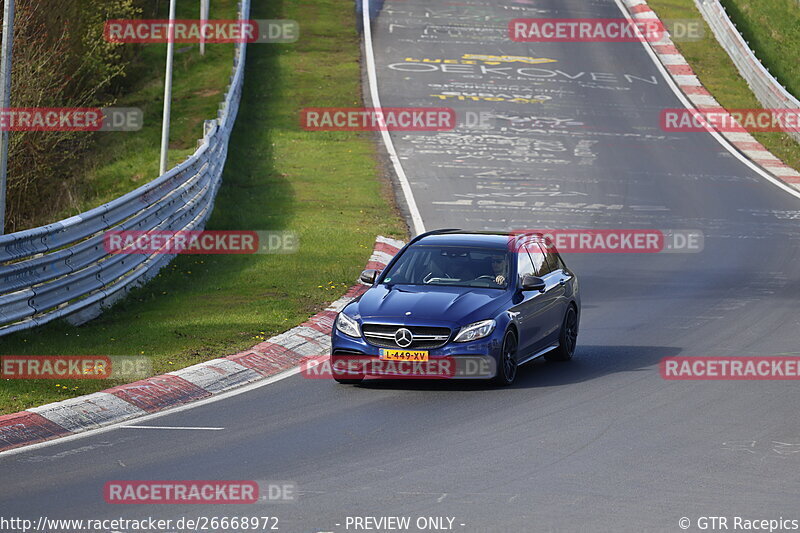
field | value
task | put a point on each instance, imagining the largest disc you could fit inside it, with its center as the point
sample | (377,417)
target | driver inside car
(500,269)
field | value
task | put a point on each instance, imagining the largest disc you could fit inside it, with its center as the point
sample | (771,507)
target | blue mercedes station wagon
(484,303)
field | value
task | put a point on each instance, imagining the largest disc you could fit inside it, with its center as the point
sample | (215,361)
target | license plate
(403,355)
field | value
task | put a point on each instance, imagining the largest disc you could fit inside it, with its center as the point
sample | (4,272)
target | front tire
(507,366)
(567,339)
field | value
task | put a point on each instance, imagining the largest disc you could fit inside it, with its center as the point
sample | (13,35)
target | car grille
(425,338)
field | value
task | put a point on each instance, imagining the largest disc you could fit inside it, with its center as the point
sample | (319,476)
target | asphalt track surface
(601,443)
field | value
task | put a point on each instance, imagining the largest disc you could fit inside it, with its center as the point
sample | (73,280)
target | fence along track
(63,270)
(766,88)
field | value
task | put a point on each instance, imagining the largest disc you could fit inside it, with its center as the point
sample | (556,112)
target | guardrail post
(5,101)
(167,89)
(203,19)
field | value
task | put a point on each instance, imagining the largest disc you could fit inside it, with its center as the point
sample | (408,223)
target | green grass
(718,73)
(772,27)
(321,185)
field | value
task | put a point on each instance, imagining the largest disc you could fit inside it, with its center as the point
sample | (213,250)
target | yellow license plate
(403,355)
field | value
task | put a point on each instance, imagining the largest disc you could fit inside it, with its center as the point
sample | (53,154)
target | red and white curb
(132,400)
(690,85)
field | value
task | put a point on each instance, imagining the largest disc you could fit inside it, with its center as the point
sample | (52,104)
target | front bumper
(455,360)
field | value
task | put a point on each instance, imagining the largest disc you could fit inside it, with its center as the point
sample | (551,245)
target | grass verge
(278,177)
(772,27)
(719,75)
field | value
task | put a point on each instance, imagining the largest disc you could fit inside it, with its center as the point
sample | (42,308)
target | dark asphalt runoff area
(601,443)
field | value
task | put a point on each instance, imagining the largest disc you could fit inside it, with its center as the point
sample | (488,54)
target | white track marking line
(416,218)
(722,140)
(235,392)
(173,427)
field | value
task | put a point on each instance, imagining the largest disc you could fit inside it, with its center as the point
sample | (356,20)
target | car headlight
(475,331)
(347,325)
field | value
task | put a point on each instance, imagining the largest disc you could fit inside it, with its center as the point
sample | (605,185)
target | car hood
(460,305)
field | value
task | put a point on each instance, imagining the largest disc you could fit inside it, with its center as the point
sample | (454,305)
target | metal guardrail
(767,89)
(62,270)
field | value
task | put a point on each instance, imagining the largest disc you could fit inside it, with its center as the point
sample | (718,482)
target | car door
(529,306)
(553,299)
(565,279)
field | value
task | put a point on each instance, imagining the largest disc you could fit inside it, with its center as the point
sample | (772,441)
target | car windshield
(451,265)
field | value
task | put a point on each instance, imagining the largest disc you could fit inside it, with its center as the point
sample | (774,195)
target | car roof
(479,239)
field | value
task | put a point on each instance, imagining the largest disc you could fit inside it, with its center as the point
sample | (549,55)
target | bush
(59,61)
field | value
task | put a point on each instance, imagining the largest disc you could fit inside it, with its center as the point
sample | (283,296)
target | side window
(524,265)
(552,259)
(561,264)
(539,261)
(536,257)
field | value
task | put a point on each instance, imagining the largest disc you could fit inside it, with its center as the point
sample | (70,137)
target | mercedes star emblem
(403,337)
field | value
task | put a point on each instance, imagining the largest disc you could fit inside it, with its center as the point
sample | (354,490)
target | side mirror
(532,283)
(369,276)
